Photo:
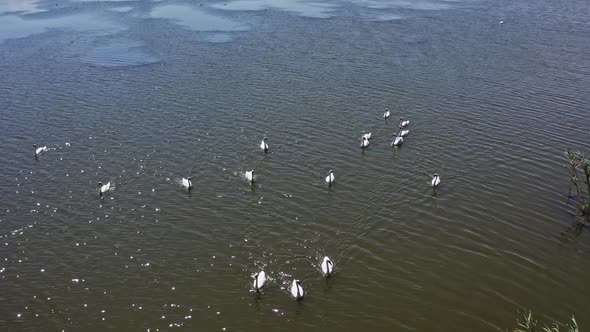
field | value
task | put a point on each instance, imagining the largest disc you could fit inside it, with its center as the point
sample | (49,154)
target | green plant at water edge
(528,324)
(580,164)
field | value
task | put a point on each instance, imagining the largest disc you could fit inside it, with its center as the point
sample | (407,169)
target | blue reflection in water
(196,19)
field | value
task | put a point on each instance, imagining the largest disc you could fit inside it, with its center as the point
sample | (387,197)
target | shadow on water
(258,300)
(572,233)
(328,283)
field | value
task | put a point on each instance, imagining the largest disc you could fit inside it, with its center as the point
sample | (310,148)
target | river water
(143,93)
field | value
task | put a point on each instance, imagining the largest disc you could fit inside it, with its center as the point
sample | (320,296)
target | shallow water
(144,93)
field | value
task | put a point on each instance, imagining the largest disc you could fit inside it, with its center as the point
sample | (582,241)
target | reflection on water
(104,0)
(301,7)
(119,53)
(196,19)
(19,27)
(372,16)
(22,6)
(122,9)
(404,4)
(218,38)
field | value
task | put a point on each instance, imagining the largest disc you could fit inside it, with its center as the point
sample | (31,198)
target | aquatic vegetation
(528,324)
(580,164)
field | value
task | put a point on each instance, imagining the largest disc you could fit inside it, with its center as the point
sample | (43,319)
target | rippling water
(144,93)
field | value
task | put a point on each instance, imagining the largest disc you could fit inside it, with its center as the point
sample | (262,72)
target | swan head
(189,178)
(34,146)
(255,277)
(100,184)
(435,175)
(264,138)
(331,171)
(327,266)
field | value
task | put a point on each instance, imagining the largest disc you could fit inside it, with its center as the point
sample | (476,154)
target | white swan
(187,183)
(365,142)
(387,114)
(397,141)
(259,280)
(404,133)
(403,123)
(435,180)
(103,188)
(40,150)
(263,145)
(365,135)
(330,178)
(297,289)
(327,266)
(250,176)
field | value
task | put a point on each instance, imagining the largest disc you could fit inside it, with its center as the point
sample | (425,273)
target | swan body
(330,178)
(187,183)
(397,141)
(103,188)
(297,289)
(39,150)
(250,176)
(387,114)
(403,123)
(404,133)
(365,142)
(327,267)
(365,135)
(259,280)
(435,180)
(263,145)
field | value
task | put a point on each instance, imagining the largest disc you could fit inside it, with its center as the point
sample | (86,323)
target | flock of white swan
(327,266)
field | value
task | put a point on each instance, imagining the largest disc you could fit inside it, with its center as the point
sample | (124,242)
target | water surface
(143,93)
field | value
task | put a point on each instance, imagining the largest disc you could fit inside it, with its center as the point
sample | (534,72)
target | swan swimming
(367,136)
(330,178)
(327,267)
(187,183)
(250,176)
(297,289)
(103,189)
(259,280)
(40,150)
(365,142)
(263,145)
(387,114)
(397,141)
(435,180)
(404,133)
(403,123)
